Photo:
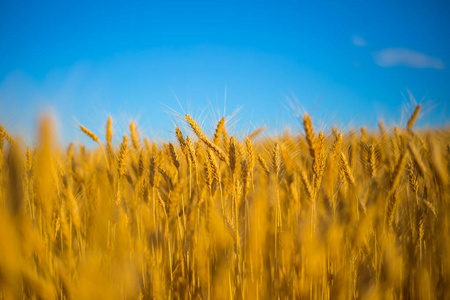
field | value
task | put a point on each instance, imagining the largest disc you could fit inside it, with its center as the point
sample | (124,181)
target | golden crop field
(315,215)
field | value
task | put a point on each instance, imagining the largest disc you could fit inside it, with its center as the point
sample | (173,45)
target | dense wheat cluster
(320,215)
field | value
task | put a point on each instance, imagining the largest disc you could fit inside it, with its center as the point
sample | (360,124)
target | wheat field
(316,215)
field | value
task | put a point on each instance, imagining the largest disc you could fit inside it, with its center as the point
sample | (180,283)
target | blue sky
(347,63)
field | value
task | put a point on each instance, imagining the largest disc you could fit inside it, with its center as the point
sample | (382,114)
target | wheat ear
(95,138)
(413,118)
(307,124)
(122,156)
(134,136)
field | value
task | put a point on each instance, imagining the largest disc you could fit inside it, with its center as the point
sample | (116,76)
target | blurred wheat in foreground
(315,216)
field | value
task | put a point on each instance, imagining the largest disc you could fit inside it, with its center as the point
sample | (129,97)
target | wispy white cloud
(392,57)
(358,41)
